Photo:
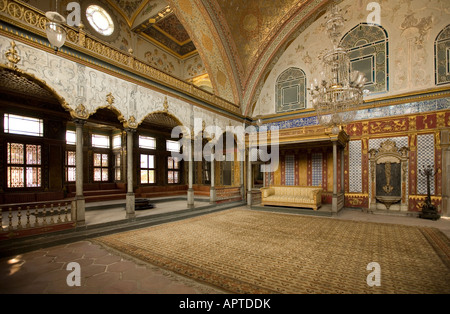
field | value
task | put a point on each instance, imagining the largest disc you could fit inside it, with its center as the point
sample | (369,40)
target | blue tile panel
(365,114)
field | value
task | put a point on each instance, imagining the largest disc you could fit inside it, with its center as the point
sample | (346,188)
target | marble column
(334,203)
(190,192)
(241,168)
(130,199)
(212,191)
(249,178)
(79,202)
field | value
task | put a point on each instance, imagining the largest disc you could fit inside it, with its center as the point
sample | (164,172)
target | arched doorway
(33,120)
(159,172)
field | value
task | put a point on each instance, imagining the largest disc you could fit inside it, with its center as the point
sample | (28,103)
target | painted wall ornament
(80,112)
(12,56)
(131,123)
(110,99)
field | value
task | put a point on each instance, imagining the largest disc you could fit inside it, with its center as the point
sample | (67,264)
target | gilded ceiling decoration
(250,24)
(238,41)
(168,33)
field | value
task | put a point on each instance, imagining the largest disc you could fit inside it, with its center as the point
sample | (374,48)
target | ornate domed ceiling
(238,41)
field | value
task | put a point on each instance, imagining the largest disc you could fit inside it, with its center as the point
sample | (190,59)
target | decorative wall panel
(355,169)
(425,157)
(375,144)
(316,169)
(290,169)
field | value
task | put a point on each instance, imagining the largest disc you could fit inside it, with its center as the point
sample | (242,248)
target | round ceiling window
(100,20)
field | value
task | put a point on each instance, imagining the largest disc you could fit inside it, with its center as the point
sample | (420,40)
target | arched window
(290,91)
(368,52)
(442,56)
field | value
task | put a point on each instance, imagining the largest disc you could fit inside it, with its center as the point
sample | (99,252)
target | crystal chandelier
(338,93)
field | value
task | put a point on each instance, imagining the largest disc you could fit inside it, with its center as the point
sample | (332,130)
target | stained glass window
(23,125)
(100,20)
(368,52)
(117,167)
(24,165)
(147,169)
(290,91)
(173,175)
(442,56)
(70,166)
(101,169)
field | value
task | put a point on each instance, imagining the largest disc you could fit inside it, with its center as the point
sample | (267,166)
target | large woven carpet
(244,251)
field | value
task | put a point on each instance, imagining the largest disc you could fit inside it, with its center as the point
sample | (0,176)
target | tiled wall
(414,125)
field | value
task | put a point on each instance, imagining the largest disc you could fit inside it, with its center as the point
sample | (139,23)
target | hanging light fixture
(338,93)
(56,32)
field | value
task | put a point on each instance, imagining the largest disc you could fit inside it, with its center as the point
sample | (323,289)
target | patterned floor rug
(245,251)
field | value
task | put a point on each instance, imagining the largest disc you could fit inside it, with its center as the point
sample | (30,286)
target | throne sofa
(293,196)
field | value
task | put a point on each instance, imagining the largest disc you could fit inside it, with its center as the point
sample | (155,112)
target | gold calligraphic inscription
(388,126)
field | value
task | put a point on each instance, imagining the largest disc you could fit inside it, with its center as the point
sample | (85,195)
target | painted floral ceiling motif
(240,40)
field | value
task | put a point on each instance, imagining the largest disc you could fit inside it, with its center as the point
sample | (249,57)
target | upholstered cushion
(266,192)
(296,195)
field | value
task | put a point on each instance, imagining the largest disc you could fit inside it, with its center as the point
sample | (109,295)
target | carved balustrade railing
(33,20)
(32,218)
